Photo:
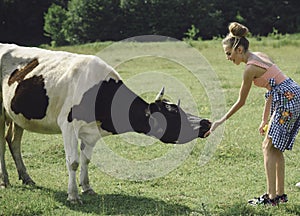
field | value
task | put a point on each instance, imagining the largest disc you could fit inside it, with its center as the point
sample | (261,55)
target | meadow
(214,176)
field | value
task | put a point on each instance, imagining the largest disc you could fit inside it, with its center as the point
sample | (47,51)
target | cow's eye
(169,107)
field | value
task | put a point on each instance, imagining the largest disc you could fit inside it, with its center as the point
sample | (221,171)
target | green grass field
(232,174)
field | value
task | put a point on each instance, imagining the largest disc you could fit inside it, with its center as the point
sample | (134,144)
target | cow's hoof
(26,179)
(89,192)
(75,201)
(4,184)
(29,182)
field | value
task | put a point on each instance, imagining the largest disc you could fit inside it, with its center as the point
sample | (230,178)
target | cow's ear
(178,103)
(160,95)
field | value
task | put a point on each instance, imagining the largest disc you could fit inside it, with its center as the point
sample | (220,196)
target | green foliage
(101,20)
(275,34)
(192,33)
(239,17)
(54,24)
(86,21)
(92,20)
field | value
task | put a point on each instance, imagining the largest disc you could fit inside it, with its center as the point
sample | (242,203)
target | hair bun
(237,29)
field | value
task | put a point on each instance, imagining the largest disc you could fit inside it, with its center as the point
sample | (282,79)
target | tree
(137,17)
(92,20)
(55,18)
(79,21)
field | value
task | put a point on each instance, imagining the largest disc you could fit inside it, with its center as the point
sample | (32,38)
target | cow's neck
(114,106)
(122,111)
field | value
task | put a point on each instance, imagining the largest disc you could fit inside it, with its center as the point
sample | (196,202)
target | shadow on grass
(120,204)
(246,209)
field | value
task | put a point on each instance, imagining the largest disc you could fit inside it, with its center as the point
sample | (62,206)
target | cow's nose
(205,126)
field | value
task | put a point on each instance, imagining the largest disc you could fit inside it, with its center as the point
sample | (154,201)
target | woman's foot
(282,199)
(264,200)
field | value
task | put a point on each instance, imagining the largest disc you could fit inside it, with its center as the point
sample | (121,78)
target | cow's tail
(2,113)
(1,89)
(4,121)
(9,132)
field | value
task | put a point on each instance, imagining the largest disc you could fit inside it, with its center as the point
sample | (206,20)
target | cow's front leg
(71,150)
(85,156)
(13,138)
(4,182)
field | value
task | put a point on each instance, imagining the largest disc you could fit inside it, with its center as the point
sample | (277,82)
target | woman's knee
(267,145)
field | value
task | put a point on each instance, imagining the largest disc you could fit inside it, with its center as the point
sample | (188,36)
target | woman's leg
(280,173)
(270,162)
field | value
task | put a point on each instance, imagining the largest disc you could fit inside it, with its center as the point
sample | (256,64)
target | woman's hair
(237,36)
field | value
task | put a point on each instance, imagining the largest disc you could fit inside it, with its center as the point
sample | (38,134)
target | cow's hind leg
(4,182)
(84,175)
(72,161)
(13,138)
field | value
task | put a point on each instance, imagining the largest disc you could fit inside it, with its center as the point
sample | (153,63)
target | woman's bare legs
(274,168)
(280,173)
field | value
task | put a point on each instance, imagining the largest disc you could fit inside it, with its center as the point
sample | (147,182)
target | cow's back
(39,86)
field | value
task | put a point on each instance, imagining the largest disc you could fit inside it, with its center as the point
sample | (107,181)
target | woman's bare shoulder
(262,57)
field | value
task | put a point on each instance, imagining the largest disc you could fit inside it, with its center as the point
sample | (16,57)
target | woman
(281,114)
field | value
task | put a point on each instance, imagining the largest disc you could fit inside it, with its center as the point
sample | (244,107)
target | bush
(54,24)
(83,21)
(93,20)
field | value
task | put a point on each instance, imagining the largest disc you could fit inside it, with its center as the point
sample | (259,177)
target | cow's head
(170,124)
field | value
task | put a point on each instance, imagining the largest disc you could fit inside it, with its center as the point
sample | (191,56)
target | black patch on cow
(19,74)
(31,98)
(112,104)
(96,104)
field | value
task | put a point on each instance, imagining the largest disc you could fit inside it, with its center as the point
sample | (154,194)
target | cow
(84,99)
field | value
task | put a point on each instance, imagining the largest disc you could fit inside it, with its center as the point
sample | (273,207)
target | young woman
(281,115)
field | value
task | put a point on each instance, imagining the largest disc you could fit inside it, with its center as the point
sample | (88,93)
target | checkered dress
(285,107)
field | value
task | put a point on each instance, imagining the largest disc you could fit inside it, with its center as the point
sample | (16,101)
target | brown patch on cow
(31,98)
(19,74)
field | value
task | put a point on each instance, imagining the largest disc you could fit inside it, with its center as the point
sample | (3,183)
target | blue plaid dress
(285,107)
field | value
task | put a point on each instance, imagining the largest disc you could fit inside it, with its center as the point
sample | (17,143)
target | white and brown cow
(83,98)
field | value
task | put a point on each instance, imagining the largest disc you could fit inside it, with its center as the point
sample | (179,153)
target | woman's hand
(263,127)
(214,126)
(217,124)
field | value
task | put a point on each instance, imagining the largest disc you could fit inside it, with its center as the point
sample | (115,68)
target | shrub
(83,21)
(93,20)
(54,24)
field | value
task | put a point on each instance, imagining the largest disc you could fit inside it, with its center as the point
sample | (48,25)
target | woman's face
(233,55)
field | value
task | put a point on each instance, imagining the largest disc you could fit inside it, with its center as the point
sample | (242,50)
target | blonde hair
(237,36)
(237,29)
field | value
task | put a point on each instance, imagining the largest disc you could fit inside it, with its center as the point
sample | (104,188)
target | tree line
(33,22)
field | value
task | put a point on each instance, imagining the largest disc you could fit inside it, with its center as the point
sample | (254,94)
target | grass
(220,186)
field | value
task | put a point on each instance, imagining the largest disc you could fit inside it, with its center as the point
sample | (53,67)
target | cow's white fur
(67,77)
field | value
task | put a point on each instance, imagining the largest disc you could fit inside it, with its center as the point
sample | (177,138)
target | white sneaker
(298,184)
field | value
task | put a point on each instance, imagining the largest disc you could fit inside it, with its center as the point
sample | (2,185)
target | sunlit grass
(222,186)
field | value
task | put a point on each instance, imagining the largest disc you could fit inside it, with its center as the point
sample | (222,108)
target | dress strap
(258,63)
